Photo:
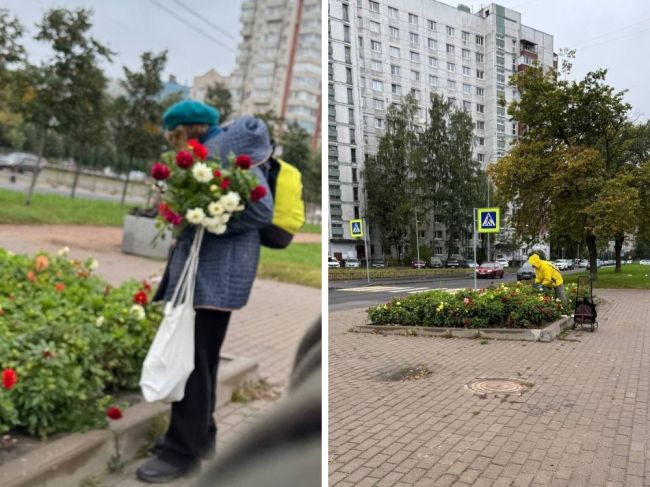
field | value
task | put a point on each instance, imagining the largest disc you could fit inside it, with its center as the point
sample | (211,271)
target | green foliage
(297,152)
(218,95)
(515,306)
(71,339)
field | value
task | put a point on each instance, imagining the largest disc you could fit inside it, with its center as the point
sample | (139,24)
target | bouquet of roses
(201,192)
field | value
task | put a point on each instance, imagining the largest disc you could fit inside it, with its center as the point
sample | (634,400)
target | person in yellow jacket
(548,276)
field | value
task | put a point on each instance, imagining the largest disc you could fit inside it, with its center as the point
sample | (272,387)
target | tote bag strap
(188,275)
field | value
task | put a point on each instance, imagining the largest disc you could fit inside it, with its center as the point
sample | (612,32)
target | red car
(491,270)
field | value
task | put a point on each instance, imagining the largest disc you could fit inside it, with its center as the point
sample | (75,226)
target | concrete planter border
(74,457)
(138,236)
(546,334)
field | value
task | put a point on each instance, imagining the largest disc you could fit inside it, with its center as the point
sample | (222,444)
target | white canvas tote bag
(170,359)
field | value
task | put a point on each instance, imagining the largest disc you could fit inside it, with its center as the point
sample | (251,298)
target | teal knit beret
(189,112)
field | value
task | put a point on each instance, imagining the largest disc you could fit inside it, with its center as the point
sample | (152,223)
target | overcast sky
(131,27)
(607,34)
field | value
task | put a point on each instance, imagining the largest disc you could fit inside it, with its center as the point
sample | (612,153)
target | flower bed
(70,339)
(515,306)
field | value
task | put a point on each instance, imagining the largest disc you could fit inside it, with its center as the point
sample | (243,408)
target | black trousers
(192,429)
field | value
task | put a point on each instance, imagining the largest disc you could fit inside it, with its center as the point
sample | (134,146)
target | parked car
(418,264)
(644,262)
(453,263)
(503,262)
(378,263)
(332,262)
(20,161)
(568,264)
(491,270)
(525,272)
(584,264)
(471,264)
(436,263)
(352,263)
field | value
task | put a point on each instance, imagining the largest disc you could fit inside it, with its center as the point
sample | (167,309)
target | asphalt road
(363,296)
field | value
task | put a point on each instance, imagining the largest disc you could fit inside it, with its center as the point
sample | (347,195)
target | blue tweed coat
(228,262)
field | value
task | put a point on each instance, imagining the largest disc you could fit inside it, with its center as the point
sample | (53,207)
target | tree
(574,142)
(76,79)
(136,122)
(219,96)
(11,53)
(271,120)
(296,151)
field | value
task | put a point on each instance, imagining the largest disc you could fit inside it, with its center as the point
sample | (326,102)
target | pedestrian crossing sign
(488,220)
(356,228)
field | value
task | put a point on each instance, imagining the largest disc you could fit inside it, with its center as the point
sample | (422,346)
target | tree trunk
(76,180)
(593,257)
(618,246)
(126,183)
(37,171)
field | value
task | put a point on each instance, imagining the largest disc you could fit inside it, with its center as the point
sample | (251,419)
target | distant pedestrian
(548,276)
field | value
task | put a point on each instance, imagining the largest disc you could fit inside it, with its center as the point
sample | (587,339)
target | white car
(503,262)
(644,262)
(332,262)
(352,263)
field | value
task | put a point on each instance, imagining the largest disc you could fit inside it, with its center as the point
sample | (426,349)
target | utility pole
(474,231)
(417,241)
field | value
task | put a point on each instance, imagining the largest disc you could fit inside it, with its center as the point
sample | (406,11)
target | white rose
(202,172)
(225,218)
(63,251)
(230,201)
(214,187)
(217,229)
(216,208)
(138,311)
(195,215)
(99,321)
(93,264)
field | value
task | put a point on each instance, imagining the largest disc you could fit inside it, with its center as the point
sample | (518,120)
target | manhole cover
(498,386)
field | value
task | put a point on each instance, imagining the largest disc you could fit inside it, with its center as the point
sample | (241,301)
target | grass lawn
(310,228)
(632,276)
(338,274)
(55,209)
(299,263)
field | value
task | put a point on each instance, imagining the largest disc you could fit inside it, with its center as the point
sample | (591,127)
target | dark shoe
(157,471)
(208,454)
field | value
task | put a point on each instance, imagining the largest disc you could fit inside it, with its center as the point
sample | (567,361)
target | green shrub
(72,340)
(515,306)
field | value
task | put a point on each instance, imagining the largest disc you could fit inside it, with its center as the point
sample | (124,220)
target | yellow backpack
(285,182)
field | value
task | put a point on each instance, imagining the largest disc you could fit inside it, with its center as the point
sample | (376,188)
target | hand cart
(584,313)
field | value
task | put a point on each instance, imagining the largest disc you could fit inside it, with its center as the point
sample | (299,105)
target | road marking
(395,289)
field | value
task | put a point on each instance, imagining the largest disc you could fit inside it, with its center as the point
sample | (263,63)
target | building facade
(201,83)
(379,51)
(279,61)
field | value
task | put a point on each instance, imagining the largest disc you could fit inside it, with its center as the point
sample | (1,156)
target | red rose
(217,174)
(244,161)
(140,297)
(59,287)
(199,150)
(258,192)
(9,378)
(184,159)
(47,354)
(31,276)
(466,321)
(114,412)
(160,171)
(146,286)
(225,184)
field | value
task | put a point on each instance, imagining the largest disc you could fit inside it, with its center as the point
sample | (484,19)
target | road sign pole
(366,248)
(474,210)
(417,241)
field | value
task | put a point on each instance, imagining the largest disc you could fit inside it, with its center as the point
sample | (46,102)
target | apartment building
(200,84)
(279,61)
(379,51)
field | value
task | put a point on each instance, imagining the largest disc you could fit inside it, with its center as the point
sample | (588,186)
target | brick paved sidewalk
(583,423)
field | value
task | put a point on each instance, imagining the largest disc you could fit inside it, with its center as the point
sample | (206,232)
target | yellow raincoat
(545,272)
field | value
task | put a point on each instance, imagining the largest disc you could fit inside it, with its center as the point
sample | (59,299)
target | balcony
(333,173)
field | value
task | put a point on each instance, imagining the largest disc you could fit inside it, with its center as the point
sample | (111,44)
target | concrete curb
(69,460)
(546,334)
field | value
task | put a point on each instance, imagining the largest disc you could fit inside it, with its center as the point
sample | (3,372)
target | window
(394,69)
(415,57)
(379,104)
(467,89)
(379,124)
(467,55)
(479,57)
(350,100)
(393,13)
(480,108)
(451,50)
(394,32)
(351,116)
(414,38)
(374,6)
(356,212)
(375,27)
(346,12)
(416,94)
(348,75)
(479,40)
(353,139)
(467,106)
(480,141)
(437,250)
(433,62)
(479,74)
(375,65)
(480,125)
(431,25)
(501,127)
(413,19)
(451,84)
(451,67)
(360,41)
(432,43)
(353,156)
(396,89)
(375,46)
(346,33)
(480,157)
(377,85)
(394,51)
(438,219)
(433,81)
(450,31)
(348,56)
(355,194)
(415,75)
(465,36)
(467,71)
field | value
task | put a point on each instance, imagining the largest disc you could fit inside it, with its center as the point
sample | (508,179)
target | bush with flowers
(69,339)
(515,306)
(202,192)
